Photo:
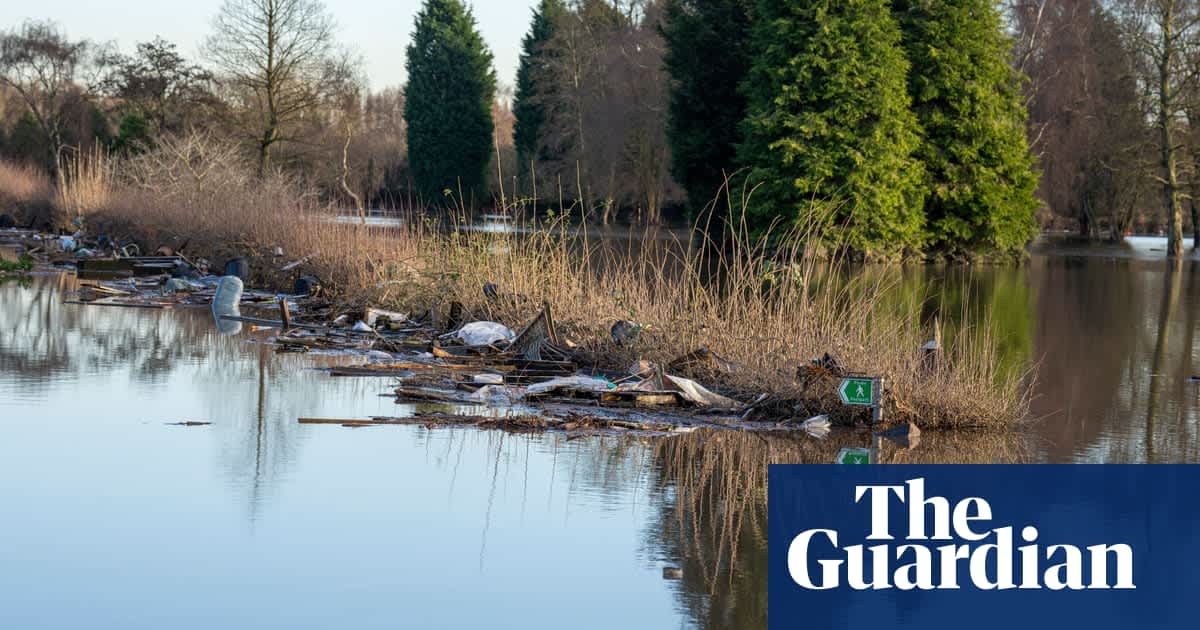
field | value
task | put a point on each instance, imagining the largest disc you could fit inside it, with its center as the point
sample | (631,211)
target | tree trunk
(1166,108)
(264,157)
(358,204)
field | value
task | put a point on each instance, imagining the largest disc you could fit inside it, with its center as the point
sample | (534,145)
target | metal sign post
(862,391)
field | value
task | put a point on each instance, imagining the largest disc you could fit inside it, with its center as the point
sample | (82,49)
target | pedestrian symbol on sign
(857,391)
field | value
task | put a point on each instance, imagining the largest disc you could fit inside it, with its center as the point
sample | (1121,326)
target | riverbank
(766,318)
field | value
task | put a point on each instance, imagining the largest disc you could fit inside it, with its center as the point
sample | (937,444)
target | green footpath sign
(853,456)
(859,392)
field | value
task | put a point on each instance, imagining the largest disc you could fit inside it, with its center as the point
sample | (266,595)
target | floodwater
(110,517)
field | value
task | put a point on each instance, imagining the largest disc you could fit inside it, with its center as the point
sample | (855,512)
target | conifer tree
(448,103)
(529,101)
(706,59)
(967,98)
(829,134)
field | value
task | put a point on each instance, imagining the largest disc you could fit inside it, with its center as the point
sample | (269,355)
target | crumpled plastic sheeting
(817,426)
(697,394)
(484,333)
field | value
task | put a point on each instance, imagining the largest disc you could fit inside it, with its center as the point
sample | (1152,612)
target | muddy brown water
(112,517)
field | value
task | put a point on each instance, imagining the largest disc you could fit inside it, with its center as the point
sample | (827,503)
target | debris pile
(530,374)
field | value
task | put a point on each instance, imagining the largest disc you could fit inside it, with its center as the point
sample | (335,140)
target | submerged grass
(766,311)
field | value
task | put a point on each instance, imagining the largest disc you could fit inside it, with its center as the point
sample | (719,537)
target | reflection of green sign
(853,456)
(859,392)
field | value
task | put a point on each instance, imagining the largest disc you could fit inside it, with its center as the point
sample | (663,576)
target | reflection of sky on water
(113,519)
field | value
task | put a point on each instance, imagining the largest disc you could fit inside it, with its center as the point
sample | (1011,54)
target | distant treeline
(894,127)
(900,127)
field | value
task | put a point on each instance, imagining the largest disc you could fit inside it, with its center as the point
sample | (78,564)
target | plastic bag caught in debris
(697,394)
(484,333)
(361,326)
(817,426)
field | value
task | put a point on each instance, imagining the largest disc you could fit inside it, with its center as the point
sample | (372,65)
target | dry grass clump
(25,193)
(767,312)
(86,182)
(19,182)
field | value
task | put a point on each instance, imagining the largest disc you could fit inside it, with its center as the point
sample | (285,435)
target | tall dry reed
(86,181)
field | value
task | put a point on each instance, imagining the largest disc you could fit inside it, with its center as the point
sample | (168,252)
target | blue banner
(990,546)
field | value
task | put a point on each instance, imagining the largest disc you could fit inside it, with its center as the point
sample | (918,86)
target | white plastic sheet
(484,333)
(697,394)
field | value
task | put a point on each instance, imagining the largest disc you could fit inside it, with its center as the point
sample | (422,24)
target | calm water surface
(111,518)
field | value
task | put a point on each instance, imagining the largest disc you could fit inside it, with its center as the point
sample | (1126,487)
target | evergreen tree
(133,134)
(448,103)
(529,105)
(706,59)
(967,97)
(829,134)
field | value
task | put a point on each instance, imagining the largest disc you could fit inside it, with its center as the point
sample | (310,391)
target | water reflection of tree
(251,395)
(1115,342)
(711,491)
(45,339)
(989,305)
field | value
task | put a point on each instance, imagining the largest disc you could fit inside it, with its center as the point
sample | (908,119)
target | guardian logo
(985,547)
(945,545)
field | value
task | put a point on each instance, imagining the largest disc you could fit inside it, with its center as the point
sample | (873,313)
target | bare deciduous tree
(1166,35)
(1086,111)
(38,62)
(281,61)
(605,97)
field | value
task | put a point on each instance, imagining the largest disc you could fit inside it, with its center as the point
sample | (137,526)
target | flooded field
(113,516)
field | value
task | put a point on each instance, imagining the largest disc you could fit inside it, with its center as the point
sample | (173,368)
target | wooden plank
(274,323)
(121,304)
(337,421)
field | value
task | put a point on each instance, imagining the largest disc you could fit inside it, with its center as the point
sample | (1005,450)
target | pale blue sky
(378,29)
